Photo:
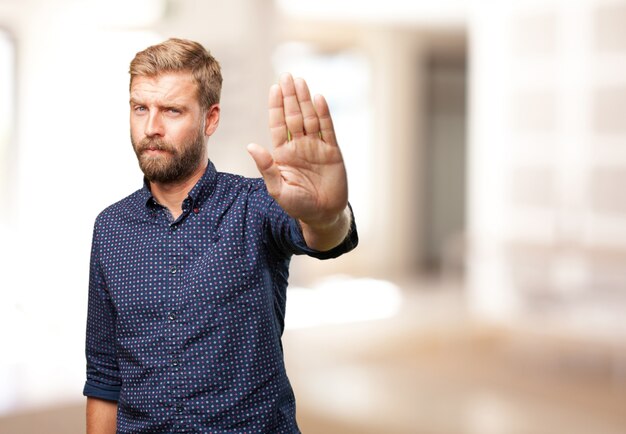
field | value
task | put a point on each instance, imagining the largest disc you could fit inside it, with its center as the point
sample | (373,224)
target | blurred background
(486,150)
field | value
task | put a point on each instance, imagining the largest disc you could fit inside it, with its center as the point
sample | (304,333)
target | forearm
(101,416)
(326,236)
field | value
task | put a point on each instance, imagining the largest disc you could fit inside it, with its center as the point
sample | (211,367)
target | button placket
(172,314)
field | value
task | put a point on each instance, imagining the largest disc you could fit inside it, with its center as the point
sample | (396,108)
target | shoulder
(238,182)
(132,204)
(246,196)
(230,184)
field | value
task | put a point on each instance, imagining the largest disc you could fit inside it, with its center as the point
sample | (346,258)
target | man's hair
(181,55)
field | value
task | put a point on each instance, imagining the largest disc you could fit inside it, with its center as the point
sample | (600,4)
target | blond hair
(181,55)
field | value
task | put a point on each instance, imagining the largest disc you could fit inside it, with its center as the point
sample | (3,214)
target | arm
(101,416)
(103,382)
(305,173)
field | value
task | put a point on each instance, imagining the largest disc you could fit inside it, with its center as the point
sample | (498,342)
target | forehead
(177,87)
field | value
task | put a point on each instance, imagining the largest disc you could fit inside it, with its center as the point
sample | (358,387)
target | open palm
(305,172)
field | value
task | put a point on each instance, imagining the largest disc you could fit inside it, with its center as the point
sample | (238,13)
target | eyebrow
(162,105)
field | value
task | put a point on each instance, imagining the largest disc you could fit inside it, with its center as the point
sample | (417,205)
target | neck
(171,195)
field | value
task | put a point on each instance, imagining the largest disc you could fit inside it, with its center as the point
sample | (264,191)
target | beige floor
(431,370)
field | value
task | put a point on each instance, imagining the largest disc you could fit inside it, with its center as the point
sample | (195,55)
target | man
(188,275)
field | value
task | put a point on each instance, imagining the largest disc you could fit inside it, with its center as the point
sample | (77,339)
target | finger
(265,163)
(309,116)
(278,127)
(327,131)
(293,114)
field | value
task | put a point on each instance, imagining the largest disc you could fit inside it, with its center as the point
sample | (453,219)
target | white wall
(547,162)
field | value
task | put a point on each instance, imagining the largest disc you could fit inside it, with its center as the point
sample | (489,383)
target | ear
(212,119)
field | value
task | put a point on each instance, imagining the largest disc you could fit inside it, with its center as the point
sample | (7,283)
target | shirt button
(175,363)
(179,408)
(173,269)
(196,210)
(171,316)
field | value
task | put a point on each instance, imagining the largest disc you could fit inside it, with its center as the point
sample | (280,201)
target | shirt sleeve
(103,380)
(288,238)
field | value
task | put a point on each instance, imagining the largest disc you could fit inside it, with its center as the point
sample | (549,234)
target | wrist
(327,233)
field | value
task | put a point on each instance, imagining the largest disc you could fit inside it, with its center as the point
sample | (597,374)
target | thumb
(265,163)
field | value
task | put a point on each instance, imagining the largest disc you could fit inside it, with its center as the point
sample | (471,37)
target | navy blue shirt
(185,317)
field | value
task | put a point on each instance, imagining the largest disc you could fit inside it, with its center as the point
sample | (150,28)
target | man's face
(167,126)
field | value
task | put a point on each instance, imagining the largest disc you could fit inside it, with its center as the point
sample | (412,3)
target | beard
(171,165)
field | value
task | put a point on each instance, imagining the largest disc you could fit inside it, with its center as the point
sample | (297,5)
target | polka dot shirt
(185,317)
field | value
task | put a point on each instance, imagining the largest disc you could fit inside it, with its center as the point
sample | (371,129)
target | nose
(154,125)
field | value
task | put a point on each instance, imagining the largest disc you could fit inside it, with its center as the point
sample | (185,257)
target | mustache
(155,144)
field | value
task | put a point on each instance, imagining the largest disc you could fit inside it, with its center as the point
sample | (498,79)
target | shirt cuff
(102,391)
(349,243)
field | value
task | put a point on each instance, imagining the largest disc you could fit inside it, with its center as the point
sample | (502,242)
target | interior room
(485,145)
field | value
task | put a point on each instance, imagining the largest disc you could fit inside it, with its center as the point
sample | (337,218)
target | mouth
(154,150)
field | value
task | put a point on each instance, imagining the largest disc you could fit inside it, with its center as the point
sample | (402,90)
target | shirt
(185,317)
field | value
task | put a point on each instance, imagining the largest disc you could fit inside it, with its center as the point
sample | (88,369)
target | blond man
(188,275)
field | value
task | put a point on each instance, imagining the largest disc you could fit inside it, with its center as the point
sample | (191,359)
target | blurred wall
(547,225)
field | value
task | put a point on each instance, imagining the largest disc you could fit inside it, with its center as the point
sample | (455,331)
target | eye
(139,109)
(174,110)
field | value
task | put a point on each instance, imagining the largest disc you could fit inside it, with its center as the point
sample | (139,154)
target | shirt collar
(198,194)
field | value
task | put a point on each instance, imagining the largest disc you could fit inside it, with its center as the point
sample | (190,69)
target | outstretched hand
(305,172)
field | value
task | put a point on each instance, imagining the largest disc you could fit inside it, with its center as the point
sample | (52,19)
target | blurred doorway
(445,153)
